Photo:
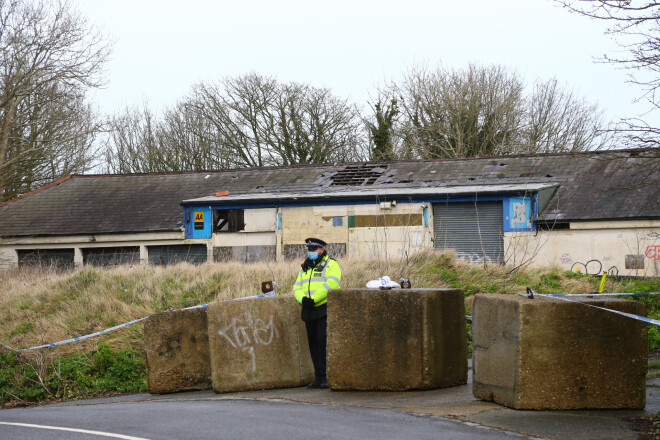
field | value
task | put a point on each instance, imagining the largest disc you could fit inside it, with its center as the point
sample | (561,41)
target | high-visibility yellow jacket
(315,282)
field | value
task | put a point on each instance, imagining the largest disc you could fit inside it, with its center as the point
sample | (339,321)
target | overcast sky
(163,47)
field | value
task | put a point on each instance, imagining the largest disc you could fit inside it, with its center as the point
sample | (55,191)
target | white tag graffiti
(244,332)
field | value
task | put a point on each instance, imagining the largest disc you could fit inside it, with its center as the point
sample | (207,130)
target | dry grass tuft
(41,306)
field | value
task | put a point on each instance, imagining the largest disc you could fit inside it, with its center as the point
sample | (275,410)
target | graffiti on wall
(592,267)
(245,332)
(653,252)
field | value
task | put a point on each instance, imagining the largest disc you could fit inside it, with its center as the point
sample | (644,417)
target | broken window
(53,258)
(358,175)
(228,220)
(111,256)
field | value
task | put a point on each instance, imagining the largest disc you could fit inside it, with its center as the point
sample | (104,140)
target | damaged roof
(620,184)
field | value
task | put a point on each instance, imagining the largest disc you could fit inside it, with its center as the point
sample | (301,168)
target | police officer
(319,274)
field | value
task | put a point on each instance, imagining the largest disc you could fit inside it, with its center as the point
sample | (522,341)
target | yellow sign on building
(199,220)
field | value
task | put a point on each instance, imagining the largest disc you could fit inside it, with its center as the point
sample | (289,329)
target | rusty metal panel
(635,262)
(299,251)
(247,254)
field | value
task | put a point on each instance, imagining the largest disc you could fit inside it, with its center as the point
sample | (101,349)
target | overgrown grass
(71,376)
(41,306)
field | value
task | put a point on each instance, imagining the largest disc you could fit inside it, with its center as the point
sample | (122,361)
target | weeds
(72,376)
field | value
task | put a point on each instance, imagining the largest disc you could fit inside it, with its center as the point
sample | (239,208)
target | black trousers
(317,338)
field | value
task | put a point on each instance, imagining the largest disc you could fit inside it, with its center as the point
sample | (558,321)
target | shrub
(72,376)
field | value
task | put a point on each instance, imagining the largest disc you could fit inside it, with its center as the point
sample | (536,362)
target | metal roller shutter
(471,229)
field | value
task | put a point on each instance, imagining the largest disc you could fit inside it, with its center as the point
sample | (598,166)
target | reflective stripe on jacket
(316,282)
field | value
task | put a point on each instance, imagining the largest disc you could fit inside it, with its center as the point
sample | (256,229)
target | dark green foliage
(652,303)
(71,377)
(22,329)
(549,283)
(381,131)
(469,336)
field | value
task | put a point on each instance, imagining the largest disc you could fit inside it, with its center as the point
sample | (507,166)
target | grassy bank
(41,306)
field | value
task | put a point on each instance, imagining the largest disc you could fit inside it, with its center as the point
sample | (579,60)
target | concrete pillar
(144,255)
(209,250)
(77,257)
(550,354)
(397,339)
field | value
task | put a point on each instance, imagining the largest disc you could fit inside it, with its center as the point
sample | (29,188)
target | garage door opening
(474,230)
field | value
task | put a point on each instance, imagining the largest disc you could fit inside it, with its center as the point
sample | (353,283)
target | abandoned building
(592,212)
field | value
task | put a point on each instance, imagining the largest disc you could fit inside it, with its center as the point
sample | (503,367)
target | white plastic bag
(382,282)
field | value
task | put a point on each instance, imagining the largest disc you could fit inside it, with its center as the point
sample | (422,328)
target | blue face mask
(312,256)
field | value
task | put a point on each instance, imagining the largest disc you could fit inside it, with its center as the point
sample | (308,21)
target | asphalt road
(230,419)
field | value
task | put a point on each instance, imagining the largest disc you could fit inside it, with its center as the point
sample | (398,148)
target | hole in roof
(472,178)
(258,187)
(549,175)
(502,164)
(358,175)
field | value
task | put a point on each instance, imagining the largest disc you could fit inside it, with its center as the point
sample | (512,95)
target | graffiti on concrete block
(566,259)
(653,252)
(593,267)
(245,332)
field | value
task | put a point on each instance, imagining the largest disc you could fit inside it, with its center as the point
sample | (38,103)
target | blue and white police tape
(530,293)
(126,324)
(602,294)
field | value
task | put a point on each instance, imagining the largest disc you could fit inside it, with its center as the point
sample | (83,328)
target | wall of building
(366,231)
(10,246)
(257,241)
(591,247)
(358,231)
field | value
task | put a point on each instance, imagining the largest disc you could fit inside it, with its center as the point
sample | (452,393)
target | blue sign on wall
(198,222)
(518,214)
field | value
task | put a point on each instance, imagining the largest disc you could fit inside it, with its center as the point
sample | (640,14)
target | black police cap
(315,243)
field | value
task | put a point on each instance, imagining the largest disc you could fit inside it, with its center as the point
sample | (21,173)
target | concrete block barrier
(399,339)
(258,344)
(548,354)
(177,350)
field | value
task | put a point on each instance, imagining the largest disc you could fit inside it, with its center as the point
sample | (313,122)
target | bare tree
(245,121)
(179,140)
(49,59)
(262,122)
(635,25)
(557,120)
(313,126)
(486,111)
(134,144)
(191,141)
(458,113)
